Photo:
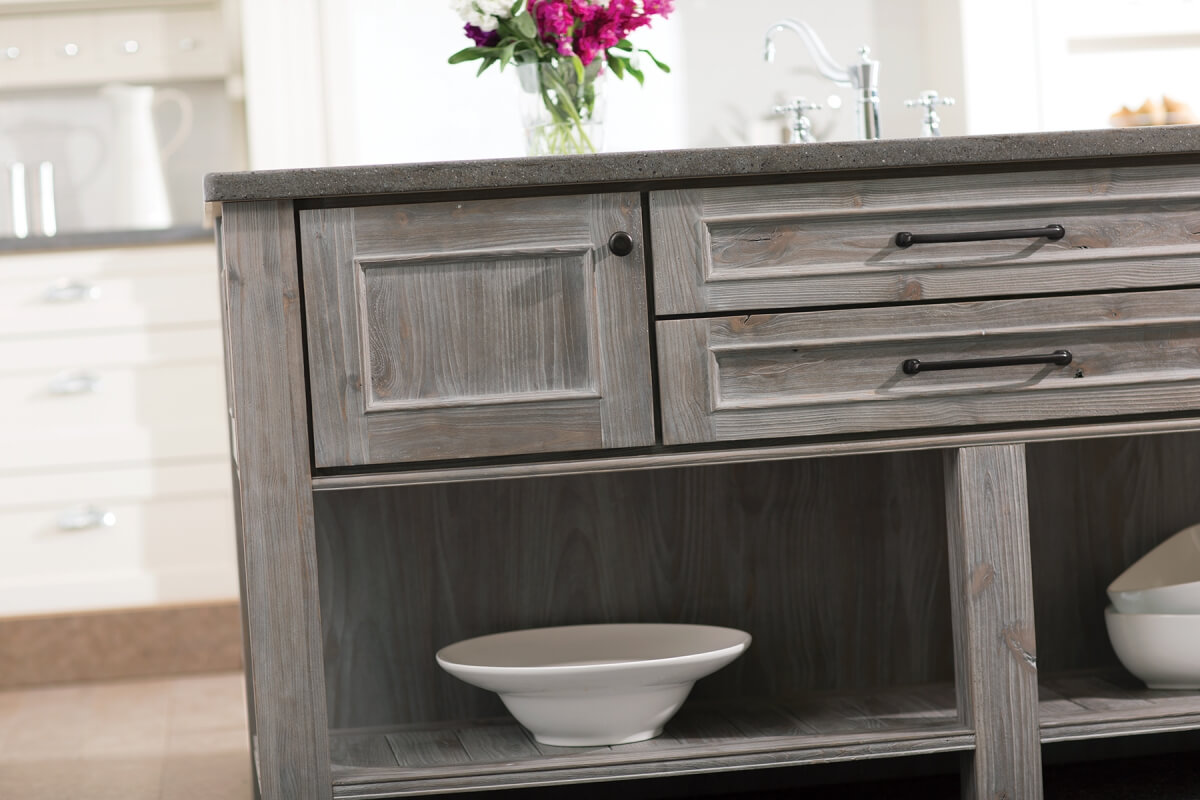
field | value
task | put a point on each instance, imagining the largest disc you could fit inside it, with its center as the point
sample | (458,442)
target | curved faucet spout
(825,63)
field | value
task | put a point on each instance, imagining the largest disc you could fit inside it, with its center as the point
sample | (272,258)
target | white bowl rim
(1116,612)
(741,642)
(1125,578)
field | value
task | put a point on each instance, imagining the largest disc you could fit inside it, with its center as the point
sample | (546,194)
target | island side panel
(268,408)
(991,598)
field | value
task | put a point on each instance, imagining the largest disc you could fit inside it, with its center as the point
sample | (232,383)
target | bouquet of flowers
(560,47)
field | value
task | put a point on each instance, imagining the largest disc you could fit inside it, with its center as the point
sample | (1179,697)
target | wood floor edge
(119,644)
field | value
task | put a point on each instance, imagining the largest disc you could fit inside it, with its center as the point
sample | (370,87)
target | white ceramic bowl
(1164,581)
(1161,649)
(587,685)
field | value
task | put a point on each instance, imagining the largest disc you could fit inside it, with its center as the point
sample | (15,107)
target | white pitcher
(139,198)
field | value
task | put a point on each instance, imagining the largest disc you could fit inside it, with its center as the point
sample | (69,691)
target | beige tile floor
(180,738)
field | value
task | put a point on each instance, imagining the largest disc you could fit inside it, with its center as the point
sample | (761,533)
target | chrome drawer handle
(1051,232)
(74,383)
(913,366)
(71,292)
(86,519)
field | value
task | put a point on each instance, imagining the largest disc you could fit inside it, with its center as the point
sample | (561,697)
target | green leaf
(505,55)
(624,44)
(617,65)
(487,62)
(470,54)
(525,25)
(658,63)
(578,67)
(636,73)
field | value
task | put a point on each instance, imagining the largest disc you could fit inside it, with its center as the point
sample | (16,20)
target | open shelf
(1083,706)
(705,735)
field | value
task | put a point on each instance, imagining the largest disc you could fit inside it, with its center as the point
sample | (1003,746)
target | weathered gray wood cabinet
(462,405)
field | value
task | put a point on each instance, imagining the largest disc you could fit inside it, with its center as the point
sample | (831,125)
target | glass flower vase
(561,114)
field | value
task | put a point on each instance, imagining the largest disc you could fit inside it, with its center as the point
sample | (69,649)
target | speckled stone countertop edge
(726,162)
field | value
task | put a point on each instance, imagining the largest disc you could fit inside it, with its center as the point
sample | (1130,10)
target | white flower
(483,14)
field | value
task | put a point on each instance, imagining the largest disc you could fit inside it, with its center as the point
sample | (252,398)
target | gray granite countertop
(666,165)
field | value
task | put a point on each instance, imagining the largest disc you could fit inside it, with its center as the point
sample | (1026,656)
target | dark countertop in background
(727,162)
(89,240)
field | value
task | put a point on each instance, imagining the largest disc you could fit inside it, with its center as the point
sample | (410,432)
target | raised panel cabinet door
(930,367)
(476,328)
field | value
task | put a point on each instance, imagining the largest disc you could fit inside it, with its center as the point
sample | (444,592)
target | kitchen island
(891,407)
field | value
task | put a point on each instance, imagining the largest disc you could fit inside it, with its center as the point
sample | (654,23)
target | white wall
(366,81)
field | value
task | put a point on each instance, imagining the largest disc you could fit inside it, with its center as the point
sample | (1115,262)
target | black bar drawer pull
(912,366)
(1051,232)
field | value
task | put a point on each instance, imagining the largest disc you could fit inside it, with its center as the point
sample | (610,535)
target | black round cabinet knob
(621,243)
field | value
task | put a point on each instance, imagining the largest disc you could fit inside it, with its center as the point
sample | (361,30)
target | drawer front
(76,305)
(481,328)
(113,289)
(62,491)
(834,243)
(112,415)
(835,372)
(135,348)
(167,550)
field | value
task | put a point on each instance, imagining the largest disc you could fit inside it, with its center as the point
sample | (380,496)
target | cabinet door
(475,328)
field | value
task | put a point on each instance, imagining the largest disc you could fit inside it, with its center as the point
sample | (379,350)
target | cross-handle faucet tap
(931,125)
(863,76)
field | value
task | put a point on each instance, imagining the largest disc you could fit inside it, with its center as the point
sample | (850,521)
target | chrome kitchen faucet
(863,76)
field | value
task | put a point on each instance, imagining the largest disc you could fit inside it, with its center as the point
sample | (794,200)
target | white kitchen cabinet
(114,484)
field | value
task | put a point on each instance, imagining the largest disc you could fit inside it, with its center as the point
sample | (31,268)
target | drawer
(835,242)
(170,549)
(104,350)
(479,328)
(107,290)
(112,415)
(61,491)
(835,372)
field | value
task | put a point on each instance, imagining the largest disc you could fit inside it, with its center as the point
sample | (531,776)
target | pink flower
(588,30)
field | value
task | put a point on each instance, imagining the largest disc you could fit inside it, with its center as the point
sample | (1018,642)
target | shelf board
(704,736)
(1092,705)
(383,477)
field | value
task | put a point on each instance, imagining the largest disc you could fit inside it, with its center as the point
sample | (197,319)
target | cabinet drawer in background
(834,372)
(116,289)
(834,242)
(476,328)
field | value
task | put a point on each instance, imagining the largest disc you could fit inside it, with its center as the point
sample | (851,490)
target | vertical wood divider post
(991,595)
(269,436)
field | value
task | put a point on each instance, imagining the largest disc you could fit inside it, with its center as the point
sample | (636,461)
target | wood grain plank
(361,750)
(497,743)
(1097,694)
(837,568)
(835,372)
(475,329)
(427,748)
(271,461)
(707,735)
(1096,507)
(992,603)
(832,242)
(733,454)
(333,337)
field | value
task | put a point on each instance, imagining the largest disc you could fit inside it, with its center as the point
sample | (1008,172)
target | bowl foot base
(601,741)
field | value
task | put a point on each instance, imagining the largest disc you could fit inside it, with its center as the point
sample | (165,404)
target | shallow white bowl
(587,685)
(1161,649)
(1164,581)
